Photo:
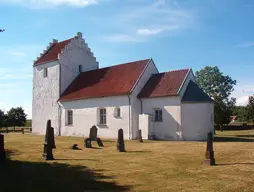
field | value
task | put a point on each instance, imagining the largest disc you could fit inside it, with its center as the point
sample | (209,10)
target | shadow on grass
(45,176)
(232,139)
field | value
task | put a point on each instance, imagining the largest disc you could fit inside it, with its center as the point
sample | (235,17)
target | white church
(71,89)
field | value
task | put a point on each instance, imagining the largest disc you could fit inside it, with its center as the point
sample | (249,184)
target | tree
(250,109)
(16,117)
(219,87)
(240,111)
(2,118)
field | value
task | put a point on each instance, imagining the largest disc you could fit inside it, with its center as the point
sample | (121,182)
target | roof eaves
(45,62)
(140,76)
(180,88)
(91,97)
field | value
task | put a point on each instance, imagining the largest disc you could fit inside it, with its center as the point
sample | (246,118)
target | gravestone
(88,143)
(48,144)
(93,133)
(2,151)
(209,155)
(75,147)
(23,131)
(53,138)
(140,136)
(120,141)
(99,142)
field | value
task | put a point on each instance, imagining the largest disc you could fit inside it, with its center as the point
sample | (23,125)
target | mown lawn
(145,167)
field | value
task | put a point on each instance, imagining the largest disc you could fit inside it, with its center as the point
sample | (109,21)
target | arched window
(80,68)
(117,112)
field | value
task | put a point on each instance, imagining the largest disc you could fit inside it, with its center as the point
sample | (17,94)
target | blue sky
(175,33)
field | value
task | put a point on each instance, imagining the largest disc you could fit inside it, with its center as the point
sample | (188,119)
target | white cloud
(242,93)
(149,31)
(145,21)
(16,53)
(122,38)
(247,44)
(50,3)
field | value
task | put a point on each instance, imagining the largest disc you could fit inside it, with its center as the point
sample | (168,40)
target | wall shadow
(232,139)
(45,176)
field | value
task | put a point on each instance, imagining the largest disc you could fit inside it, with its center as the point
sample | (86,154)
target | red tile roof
(52,53)
(163,84)
(109,81)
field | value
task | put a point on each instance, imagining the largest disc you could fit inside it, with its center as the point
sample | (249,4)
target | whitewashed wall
(76,53)
(85,116)
(135,102)
(197,120)
(45,95)
(171,112)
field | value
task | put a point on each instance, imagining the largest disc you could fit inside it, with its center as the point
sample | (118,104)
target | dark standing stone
(209,155)
(88,143)
(93,133)
(2,151)
(75,147)
(53,138)
(99,142)
(48,144)
(23,131)
(120,141)
(140,136)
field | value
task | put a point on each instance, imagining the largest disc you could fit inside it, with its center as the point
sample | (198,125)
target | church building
(71,89)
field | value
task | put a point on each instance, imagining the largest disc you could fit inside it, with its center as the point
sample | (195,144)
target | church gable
(164,84)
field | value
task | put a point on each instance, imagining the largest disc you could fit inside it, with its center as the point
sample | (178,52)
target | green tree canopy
(219,87)
(250,109)
(2,118)
(16,117)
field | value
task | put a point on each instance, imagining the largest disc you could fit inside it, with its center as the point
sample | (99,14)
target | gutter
(141,106)
(59,107)
(129,116)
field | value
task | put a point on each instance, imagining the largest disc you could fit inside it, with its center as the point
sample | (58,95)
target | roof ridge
(117,65)
(176,70)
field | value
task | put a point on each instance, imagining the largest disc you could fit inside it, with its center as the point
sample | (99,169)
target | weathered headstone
(2,151)
(140,136)
(88,143)
(209,155)
(99,142)
(48,144)
(75,147)
(120,141)
(53,138)
(93,133)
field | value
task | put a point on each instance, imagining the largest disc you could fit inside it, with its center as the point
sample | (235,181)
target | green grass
(149,166)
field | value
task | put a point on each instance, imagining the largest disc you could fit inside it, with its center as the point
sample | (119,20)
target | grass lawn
(149,166)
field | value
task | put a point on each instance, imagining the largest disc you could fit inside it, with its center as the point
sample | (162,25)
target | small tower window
(80,68)
(45,72)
